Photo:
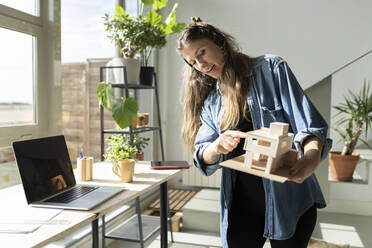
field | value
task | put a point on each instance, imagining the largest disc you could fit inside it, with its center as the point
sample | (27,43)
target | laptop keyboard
(72,194)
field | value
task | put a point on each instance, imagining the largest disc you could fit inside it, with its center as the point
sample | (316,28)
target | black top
(248,193)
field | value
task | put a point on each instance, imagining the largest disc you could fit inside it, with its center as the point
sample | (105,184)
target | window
(17,78)
(30,67)
(83,30)
(27,6)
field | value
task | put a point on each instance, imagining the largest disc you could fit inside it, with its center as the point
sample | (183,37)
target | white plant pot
(116,75)
(133,69)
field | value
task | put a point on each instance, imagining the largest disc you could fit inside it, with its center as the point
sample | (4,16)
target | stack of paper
(17,217)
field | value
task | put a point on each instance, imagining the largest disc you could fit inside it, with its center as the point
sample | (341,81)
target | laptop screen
(44,166)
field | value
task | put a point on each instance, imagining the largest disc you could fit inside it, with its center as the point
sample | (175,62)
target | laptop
(47,177)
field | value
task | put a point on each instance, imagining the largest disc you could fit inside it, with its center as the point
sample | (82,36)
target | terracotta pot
(342,167)
(140,156)
(124,169)
(134,123)
(141,121)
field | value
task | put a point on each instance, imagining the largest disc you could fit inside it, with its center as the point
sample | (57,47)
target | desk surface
(144,180)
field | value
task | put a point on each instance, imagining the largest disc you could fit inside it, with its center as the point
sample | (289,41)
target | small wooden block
(89,169)
(177,222)
(278,129)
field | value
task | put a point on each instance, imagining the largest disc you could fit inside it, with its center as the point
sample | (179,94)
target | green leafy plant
(123,110)
(356,112)
(118,148)
(139,142)
(139,35)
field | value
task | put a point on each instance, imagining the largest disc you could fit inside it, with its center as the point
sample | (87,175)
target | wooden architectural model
(268,153)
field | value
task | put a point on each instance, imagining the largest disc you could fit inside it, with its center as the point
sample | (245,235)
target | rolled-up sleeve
(304,118)
(207,134)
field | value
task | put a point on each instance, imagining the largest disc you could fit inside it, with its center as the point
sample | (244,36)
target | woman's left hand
(306,166)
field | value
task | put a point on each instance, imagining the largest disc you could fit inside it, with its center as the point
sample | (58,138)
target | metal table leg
(170,221)
(103,231)
(138,211)
(163,215)
(95,238)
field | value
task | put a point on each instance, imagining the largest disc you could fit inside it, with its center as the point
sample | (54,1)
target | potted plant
(139,35)
(122,155)
(139,142)
(141,121)
(356,118)
(124,111)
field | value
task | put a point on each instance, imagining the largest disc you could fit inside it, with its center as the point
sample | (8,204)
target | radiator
(193,177)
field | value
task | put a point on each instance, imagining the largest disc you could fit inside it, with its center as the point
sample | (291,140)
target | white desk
(144,181)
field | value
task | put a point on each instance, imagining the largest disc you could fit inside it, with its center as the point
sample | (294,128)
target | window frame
(45,79)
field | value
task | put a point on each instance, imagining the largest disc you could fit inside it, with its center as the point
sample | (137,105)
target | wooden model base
(280,175)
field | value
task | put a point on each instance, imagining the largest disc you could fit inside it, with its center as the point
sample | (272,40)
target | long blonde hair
(197,86)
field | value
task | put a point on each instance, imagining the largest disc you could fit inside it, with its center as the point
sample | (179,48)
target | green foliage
(356,111)
(105,95)
(139,142)
(119,148)
(136,35)
(123,110)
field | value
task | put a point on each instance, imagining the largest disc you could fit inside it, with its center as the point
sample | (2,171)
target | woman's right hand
(224,144)
(228,141)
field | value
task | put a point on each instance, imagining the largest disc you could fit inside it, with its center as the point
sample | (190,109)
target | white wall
(315,37)
(351,77)
(346,197)
(319,96)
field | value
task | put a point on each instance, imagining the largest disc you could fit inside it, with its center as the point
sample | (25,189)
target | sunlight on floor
(340,234)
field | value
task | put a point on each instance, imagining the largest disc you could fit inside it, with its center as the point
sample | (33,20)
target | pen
(81,154)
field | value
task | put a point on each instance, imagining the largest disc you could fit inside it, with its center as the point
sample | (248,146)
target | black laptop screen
(44,166)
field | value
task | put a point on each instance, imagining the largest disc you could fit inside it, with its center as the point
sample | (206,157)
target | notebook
(47,176)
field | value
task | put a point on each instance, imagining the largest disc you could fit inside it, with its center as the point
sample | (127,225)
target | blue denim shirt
(274,95)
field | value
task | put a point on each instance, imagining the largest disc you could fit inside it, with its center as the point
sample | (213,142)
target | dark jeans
(247,231)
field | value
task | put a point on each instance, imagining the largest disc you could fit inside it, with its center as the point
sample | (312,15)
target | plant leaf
(153,18)
(124,112)
(340,132)
(147,3)
(365,142)
(105,95)
(158,4)
(172,26)
(119,11)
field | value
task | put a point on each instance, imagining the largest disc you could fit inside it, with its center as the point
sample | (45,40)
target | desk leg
(103,231)
(95,238)
(163,215)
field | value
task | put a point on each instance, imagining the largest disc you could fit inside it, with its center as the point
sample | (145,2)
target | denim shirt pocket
(273,114)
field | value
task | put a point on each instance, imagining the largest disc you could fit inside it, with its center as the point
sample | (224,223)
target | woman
(227,94)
